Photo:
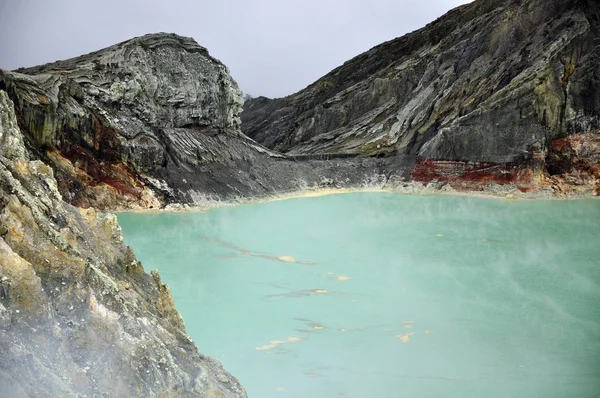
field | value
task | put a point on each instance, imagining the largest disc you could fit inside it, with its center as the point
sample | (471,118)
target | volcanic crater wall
(487,87)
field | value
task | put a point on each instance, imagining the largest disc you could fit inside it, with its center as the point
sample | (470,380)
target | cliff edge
(78,314)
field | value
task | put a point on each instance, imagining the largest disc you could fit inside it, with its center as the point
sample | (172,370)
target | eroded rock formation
(477,96)
(152,121)
(78,314)
(144,123)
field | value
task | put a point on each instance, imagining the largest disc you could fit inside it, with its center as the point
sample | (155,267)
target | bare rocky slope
(489,92)
(145,123)
(78,314)
(152,121)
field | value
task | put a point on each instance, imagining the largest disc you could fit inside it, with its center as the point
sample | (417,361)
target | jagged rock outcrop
(151,121)
(78,314)
(98,119)
(478,95)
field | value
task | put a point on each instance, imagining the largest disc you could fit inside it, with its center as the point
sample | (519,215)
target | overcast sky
(272,47)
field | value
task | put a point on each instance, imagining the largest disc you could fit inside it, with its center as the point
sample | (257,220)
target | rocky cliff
(152,121)
(78,314)
(479,95)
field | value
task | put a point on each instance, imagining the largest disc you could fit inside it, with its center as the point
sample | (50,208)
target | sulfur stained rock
(494,92)
(23,287)
(102,113)
(155,120)
(78,316)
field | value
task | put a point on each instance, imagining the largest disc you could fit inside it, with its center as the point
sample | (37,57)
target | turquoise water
(382,295)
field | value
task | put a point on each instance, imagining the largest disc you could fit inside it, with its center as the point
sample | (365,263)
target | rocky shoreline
(490,191)
(494,191)
(122,128)
(499,91)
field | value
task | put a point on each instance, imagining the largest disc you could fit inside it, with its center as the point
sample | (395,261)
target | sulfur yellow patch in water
(428,331)
(321,291)
(287,259)
(318,327)
(343,278)
(409,326)
(439,234)
(275,343)
(405,338)
(280,389)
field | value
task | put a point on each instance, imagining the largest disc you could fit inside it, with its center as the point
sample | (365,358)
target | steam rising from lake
(384,295)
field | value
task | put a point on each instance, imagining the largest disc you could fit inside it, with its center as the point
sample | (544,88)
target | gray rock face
(152,121)
(78,314)
(159,80)
(11,140)
(486,82)
(108,108)
(147,122)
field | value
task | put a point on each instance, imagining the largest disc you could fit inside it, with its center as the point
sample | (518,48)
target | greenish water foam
(383,295)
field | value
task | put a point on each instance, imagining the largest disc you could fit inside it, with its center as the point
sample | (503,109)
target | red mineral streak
(114,174)
(570,164)
(469,175)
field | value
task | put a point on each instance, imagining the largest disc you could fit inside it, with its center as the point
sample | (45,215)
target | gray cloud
(272,47)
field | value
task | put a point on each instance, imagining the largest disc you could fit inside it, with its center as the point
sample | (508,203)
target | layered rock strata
(153,121)
(478,96)
(78,314)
